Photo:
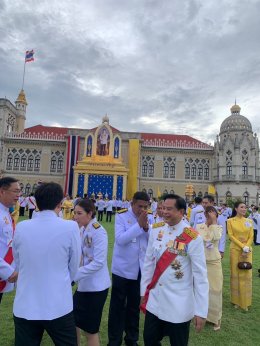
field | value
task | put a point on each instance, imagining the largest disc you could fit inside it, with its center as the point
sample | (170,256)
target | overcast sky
(168,66)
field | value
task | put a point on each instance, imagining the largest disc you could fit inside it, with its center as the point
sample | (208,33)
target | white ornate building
(156,163)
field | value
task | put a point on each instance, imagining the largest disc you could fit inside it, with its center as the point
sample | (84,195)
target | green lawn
(238,328)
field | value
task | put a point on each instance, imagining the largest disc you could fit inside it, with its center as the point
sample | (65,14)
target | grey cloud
(133,60)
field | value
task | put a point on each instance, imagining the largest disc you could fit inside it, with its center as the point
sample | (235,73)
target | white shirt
(176,299)
(194,211)
(23,201)
(47,254)
(31,202)
(93,274)
(6,236)
(109,205)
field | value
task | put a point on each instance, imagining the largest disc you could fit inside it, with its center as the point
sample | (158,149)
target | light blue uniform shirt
(130,245)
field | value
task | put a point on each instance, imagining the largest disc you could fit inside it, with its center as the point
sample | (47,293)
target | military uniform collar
(47,213)
(132,213)
(175,227)
(3,207)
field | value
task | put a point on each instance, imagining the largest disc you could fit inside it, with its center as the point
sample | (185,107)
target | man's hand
(143,220)
(141,300)
(199,323)
(13,278)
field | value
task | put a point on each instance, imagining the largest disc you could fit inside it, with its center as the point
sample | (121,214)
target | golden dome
(21,98)
(235,109)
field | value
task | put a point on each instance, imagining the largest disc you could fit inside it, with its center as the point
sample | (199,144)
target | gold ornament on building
(21,97)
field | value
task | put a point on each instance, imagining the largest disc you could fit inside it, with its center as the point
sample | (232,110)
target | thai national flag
(29,55)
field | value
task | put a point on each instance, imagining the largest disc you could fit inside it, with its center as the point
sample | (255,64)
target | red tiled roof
(39,129)
(158,139)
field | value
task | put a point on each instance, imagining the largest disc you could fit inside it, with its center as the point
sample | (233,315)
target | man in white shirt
(174,280)
(23,204)
(47,255)
(31,202)
(9,195)
(109,210)
(197,209)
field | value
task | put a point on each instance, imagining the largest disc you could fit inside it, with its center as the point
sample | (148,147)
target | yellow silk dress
(67,207)
(240,231)
(15,213)
(211,236)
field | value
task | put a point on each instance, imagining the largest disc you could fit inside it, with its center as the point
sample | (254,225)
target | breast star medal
(179,274)
(176,265)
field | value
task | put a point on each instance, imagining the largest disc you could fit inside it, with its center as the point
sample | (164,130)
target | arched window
(9,163)
(144,169)
(150,193)
(23,163)
(21,187)
(16,162)
(200,171)
(244,169)
(229,169)
(27,189)
(151,169)
(172,170)
(246,198)
(166,170)
(187,171)
(206,172)
(60,164)
(37,162)
(53,164)
(165,192)
(172,192)
(193,171)
(34,187)
(144,190)
(200,194)
(30,163)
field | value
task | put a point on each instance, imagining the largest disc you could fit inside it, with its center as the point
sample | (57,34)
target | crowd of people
(166,263)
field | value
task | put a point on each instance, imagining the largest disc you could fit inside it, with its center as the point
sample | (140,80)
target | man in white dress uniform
(9,195)
(47,252)
(180,293)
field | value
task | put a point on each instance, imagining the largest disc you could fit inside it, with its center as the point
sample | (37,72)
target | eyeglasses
(17,192)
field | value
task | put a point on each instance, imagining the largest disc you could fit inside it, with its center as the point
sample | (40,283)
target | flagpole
(23,73)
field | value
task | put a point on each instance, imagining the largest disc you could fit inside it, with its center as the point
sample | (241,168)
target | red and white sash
(165,260)
(8,257)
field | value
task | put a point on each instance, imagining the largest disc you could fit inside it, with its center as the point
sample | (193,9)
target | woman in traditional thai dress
(211,233)
(240,231)
(67,207)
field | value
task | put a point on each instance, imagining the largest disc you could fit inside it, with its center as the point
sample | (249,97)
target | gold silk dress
(67,207)
(211,236)
(15,213)
(240,231)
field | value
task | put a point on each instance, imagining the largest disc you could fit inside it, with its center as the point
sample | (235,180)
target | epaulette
(158,224)
(191,232)
(201,211)
(96,225)
(149,211)
(121,211)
